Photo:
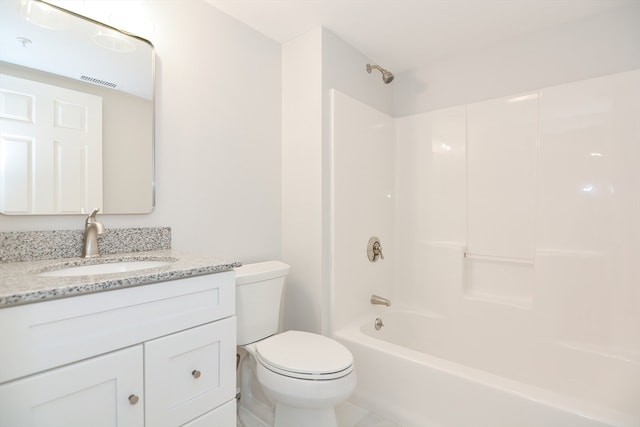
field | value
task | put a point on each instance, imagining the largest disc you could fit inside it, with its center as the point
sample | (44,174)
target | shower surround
(509,228)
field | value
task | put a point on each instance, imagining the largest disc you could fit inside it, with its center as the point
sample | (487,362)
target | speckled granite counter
(20,283)
(33,245)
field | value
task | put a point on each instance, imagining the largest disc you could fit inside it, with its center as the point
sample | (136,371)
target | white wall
(345,69)
(313,64)
(596,46)
(302,180)
(218,128)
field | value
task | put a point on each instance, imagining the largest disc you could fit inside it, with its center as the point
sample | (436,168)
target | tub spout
(375,299)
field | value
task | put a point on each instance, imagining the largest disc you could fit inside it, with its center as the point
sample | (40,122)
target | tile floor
(348,415)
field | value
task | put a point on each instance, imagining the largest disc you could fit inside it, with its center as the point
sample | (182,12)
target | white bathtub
(460,377)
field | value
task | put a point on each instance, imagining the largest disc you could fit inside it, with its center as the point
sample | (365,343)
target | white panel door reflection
(50,149)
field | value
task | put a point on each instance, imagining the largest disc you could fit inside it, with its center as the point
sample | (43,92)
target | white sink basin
(106,268)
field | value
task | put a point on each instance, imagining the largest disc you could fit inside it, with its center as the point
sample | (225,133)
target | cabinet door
(224,416)
(189,373)
(105,391)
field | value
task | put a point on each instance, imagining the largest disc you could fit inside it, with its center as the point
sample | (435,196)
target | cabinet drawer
(224,416)
(94,392)
(45,335)
(189,373)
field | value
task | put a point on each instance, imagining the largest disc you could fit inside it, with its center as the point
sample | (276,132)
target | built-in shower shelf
(499,279)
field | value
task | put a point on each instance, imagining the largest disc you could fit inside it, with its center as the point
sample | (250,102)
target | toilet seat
(304,355)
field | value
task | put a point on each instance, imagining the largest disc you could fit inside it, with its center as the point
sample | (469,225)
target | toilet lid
(304,355)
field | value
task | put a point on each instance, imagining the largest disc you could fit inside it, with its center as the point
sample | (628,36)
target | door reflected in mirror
(76,114)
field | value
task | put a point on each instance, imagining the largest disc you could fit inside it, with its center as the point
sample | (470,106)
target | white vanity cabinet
(154,355)
(103,391)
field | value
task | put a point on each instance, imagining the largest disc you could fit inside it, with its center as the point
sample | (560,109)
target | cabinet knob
(196,374)
(133,399)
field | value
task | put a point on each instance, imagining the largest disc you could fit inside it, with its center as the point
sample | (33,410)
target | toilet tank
(259,289)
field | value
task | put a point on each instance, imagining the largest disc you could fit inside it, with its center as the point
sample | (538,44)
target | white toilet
(294,378)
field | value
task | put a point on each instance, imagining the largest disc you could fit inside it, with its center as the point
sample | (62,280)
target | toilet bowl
(301,375)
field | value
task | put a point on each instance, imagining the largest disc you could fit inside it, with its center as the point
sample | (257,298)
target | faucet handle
(374,249)
(92,217)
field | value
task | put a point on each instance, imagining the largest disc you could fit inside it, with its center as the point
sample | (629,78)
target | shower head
(387,76)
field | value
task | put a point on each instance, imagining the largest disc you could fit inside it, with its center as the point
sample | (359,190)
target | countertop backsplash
(17,246)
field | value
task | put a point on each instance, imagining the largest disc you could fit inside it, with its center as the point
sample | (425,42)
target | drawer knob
(133,399)
(196,374)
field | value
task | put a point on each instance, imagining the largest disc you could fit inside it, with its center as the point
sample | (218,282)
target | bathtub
(456,376)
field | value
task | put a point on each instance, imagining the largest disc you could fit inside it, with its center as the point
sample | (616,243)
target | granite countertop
(20,283)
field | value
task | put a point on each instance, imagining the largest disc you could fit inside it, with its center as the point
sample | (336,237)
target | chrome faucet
(92,228)
(375,299)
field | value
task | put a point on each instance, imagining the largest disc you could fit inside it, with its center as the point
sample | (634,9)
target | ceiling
(406,35)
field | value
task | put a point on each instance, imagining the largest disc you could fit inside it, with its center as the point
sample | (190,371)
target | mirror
(76,114)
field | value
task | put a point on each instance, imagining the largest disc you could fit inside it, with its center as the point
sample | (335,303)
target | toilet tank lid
(249,273)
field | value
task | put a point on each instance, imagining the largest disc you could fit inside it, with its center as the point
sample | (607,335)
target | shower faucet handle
(377,250)
(374,249)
